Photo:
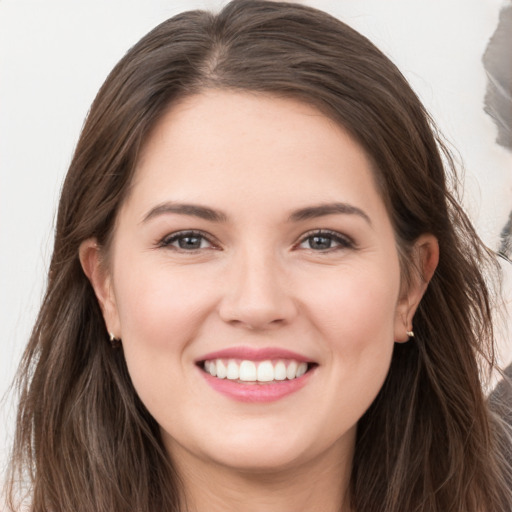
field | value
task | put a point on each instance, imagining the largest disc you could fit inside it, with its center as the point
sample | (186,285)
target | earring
(115,342)
(410,334)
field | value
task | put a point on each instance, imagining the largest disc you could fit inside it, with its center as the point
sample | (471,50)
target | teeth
(280,371)
(250,371)
(265,371)
(301,370)
(247,371)
(291,371)
(222,371)
(233,370)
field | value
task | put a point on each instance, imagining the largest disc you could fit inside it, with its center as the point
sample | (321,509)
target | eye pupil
(320,242)
(189,242)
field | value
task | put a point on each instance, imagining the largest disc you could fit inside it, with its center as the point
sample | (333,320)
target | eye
(325,240)
(187,241)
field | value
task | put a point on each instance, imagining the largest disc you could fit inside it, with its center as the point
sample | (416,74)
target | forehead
(223,146)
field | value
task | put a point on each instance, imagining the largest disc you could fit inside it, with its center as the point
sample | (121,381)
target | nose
(258,295)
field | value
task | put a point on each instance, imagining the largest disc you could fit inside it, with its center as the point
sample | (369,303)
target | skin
(256,280)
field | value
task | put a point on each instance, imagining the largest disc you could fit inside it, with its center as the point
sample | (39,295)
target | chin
(248,450)
(257,459)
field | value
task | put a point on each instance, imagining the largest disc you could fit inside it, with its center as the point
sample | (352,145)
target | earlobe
(100,279)
(425,257)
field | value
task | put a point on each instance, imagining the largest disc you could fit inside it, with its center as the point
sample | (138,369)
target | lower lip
(254,391)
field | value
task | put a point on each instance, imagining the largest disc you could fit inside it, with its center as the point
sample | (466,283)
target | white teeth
(291,371)
(222,371)
(248,371)
(251,371)
(280,371)
(302,369)
(233,370)
(265,371)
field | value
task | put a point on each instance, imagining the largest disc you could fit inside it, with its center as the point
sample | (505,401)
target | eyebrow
(193,210)
(203,212)
(312,212)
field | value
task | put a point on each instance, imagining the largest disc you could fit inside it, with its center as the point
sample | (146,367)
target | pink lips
(254,354)
(254,391)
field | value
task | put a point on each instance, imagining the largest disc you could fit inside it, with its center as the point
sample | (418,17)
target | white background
(55,54)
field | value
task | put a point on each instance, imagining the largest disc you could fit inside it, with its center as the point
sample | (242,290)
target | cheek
(160,311)
(358,332)
(356,307)
(159,305)
(356,319)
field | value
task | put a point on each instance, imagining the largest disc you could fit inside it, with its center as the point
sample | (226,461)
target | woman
(262,295)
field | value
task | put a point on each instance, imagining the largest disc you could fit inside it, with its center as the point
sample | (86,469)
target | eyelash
(168,240)
(343,241)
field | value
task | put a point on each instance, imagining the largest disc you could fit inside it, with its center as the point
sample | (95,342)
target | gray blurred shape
(497,61)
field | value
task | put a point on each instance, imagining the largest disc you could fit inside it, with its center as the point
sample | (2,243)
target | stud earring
(410,334)
(115,342)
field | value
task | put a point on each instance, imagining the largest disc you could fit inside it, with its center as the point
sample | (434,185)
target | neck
(319,485)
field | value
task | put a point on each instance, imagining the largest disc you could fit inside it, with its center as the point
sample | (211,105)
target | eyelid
(343,240)
(167,240)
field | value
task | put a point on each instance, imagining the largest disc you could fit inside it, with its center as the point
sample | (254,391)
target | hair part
(429,442)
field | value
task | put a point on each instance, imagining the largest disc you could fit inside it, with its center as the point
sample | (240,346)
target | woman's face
(254,245)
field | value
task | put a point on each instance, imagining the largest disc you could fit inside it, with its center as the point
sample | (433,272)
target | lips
(255,375)
(254,354)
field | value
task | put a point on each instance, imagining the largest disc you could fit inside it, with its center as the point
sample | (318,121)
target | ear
(425,257)
(101,281)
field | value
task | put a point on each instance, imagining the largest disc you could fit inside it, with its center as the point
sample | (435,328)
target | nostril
(257,299)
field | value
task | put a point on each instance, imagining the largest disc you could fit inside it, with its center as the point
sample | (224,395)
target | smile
(248,374)
(255,371)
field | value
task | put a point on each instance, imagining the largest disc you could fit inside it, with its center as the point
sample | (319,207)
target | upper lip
(254,354)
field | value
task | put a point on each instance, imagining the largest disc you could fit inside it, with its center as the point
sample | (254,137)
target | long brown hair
(428,443)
